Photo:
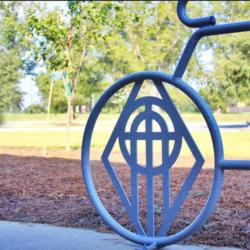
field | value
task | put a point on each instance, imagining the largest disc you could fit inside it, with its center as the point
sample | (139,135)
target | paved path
(34,126)
(27,236)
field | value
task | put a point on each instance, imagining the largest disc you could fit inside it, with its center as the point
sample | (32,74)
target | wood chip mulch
(51,190)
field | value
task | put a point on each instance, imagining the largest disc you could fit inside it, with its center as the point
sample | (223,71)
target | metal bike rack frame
(150,239)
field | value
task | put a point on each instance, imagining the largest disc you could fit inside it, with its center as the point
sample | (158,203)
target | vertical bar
(134,180)
(165,180)
(150,206)
(150,181)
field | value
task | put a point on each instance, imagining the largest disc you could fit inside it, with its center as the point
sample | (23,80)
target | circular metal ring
(218,156)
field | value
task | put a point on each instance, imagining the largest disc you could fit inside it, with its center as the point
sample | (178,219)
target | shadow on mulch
(51,190)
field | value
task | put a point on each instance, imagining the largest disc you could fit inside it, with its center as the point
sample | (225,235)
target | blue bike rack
(150,239)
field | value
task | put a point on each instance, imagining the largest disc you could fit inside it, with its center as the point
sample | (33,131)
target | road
(33,126)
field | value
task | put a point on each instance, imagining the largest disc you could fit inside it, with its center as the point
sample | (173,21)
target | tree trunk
(67,144)
(47,116)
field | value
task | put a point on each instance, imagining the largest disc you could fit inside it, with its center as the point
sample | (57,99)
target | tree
(65,43)
(11,52)
(149,37)
(34,109)
(10,95)
(229,79)
(146,36)
(58,103)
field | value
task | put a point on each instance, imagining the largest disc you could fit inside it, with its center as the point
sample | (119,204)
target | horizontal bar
(235,164)
(148,136)
(226,28)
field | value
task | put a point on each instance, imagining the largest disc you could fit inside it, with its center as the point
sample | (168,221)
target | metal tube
(206,31)
(196,22)
(235,164)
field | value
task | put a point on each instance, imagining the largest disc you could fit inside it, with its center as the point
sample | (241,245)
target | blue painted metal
(141,237)
(193,23)
(208,28)
(180,133)
(149,238)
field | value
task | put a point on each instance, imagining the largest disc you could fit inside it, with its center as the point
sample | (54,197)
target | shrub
(1,118)
(34,109)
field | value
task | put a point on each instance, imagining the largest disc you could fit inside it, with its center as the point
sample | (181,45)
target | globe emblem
(149,117)
(130,135)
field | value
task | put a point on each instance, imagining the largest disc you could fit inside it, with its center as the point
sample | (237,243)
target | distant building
(238,108)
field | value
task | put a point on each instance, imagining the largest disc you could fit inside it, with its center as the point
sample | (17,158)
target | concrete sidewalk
(27,236)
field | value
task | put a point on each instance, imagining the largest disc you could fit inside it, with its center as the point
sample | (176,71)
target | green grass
(36,139)
(236,144)
(33,117)
(241,117)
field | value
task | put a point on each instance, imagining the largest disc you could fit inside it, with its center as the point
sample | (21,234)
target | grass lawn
(241,117)
(236,144)
(53,117)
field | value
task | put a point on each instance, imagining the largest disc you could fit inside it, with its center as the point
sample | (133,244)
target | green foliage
(10,95)
(59,106)
(62,40)
(216,98)
(150,38)
(11,50)
(95,43)
(34,109)
(68,44)
(182,102)
(43,83)
(1,118)
(58,102)
(11,31)
(92,81)
(229,80)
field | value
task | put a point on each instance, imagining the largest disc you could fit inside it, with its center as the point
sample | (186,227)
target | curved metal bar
(149,239)
(217,145)
(196,22)
(219,29)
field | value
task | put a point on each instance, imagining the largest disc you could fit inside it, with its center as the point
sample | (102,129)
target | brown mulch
(51,190)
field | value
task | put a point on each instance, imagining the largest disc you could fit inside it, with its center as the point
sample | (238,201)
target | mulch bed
(51,190)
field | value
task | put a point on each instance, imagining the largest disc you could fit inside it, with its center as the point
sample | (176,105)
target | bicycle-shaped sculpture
(150,239)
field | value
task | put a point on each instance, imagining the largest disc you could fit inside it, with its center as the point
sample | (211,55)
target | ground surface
(50,190)
(30,236)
